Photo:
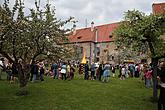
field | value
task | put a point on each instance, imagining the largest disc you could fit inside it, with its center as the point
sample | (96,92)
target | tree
(127,54)
(139,30)
(46,32)
(27,37)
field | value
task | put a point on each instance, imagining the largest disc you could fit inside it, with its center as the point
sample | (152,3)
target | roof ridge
(108,24)
(99,25)
(88,35)
(158,3)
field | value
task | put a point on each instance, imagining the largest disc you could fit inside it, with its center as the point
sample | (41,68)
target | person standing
(34,71)
(68,70)
(101,70)
(132,70)
(148,75)
(55,70)
(137,70)
(97,72)
(72,70)
(9,73)
(113,70)
(161,86)
(14,71)
(86,75)
(41,70)
(93,68)
(63,71)
(1,67)
(106,73)
(123,72)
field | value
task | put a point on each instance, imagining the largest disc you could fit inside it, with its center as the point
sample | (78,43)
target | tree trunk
(22,79)
(155,91)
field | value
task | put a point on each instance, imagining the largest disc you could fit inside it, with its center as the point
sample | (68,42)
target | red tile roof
(158,8)
(86,35)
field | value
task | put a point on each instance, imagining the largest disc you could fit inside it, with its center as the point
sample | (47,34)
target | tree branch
(6,56)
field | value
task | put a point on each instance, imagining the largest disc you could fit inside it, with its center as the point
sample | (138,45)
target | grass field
(78,94)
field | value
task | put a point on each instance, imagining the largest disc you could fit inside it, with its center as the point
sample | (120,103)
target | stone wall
(106,51)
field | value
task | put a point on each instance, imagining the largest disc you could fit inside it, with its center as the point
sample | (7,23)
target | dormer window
(79,37)
(110,35)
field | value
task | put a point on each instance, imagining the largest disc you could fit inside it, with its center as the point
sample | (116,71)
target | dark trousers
(100,76)
(42,77)
(92,74)
(160,105)
(161,101)
(86,76)
(136,74)
(31,76)
(63,76)
(9,74)
(55,73)
(71,76)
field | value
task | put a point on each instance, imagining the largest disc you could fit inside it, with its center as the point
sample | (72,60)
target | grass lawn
(78,94)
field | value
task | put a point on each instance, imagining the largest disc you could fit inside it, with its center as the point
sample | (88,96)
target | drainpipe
(90,54)
(95,45)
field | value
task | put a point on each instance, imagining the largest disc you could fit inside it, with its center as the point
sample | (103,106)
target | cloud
(99,11)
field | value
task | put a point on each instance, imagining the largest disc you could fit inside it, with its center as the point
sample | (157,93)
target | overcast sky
(99,11)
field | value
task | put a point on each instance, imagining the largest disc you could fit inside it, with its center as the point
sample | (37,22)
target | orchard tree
(46,33)
(140,30)
(27,37)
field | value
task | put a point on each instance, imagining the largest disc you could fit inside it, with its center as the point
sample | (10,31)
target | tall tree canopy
(26,37)
(141,33)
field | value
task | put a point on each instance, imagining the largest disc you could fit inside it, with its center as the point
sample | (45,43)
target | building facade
(159,8)
(97,42)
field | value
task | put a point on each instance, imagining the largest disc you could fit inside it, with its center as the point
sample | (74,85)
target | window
(81,50)
(105,50)
(110,35)
(112,57)
(79,37)
(97,59)
(98,51)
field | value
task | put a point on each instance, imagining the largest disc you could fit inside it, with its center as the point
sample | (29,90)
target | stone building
(159,8)
(98,41)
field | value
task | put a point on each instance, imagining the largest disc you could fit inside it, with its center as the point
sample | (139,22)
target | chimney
(92,26)
(74,29)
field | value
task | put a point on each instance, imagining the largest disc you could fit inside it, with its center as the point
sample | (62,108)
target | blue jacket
(106,73)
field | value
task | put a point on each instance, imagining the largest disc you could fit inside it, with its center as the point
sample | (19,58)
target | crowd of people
(63,70)
(66,69)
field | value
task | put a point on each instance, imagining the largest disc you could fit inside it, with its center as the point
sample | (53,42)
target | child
(148,75)
(123,71)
